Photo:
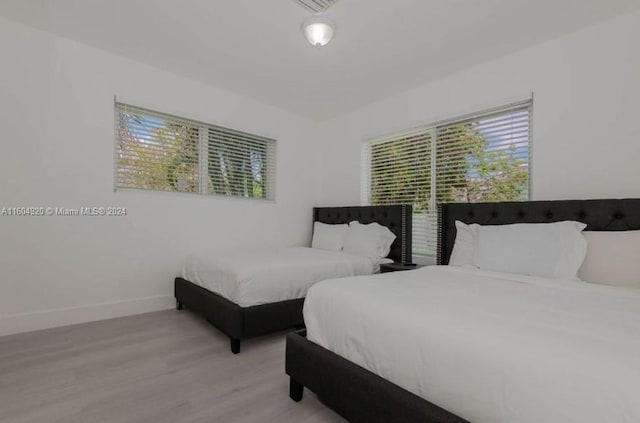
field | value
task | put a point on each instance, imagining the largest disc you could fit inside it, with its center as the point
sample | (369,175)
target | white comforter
(489,347)
(250,278)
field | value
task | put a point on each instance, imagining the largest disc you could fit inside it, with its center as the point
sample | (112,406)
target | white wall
(57,137)
(587,96)
(56,120)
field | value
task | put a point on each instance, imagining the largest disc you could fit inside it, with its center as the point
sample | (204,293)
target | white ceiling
(255,48)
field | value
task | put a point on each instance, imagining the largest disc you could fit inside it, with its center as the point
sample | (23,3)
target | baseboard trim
(27,322)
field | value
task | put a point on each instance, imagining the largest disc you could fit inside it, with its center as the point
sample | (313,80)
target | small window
(161,152)
(484,157)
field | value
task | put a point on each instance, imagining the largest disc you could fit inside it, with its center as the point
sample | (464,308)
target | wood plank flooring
(159,367)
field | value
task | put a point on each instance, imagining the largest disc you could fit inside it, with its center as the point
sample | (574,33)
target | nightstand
(398,267)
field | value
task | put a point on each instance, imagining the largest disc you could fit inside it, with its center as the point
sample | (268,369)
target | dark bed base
(245,322)
(353,392)
(237,322)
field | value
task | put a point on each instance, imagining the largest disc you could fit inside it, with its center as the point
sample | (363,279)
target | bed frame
(240,323)
(362,396)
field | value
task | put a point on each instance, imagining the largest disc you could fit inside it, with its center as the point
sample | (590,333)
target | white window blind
(399,171)
(482,157)
(157,151)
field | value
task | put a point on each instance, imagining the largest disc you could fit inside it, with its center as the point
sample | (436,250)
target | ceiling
(255,48)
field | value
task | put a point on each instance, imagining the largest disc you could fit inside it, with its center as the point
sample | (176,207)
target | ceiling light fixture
(318,30)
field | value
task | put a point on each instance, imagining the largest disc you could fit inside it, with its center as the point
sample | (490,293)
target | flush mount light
(318,30)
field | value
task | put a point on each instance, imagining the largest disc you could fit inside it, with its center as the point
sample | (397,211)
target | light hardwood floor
(159,367)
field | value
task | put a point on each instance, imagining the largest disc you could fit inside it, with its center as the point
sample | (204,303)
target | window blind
(399,172)
(481,157)
(157,151)
(484,158)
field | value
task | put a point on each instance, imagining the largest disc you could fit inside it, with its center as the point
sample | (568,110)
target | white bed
(250,278)
(489,347)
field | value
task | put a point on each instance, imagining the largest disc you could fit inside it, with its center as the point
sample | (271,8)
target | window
(484,157)
(156,151)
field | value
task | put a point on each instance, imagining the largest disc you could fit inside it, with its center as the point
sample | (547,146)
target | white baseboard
(27,322)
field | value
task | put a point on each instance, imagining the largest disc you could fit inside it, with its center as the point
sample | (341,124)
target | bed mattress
(489,347)
(250,278)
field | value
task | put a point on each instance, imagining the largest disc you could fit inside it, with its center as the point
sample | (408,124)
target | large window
(156,151)
(484,157)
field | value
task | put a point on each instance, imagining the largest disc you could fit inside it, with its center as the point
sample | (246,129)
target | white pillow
(328,237)
(372,240)
(465,246)
(613,258)
(551,250)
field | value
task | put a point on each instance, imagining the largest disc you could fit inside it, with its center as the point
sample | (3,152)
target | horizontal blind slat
(159,151)
(485,156)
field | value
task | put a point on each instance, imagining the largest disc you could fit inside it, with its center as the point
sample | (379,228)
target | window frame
(204,147)
(433,128)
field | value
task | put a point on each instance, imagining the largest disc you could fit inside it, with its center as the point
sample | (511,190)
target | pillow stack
(371,240)
(551,250)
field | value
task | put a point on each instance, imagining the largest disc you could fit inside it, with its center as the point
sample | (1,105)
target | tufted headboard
(599,215)
(395,217)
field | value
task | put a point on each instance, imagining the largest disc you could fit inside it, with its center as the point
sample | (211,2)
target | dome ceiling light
(318,30)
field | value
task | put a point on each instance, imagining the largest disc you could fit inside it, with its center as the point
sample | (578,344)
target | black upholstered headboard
(599,215)
(395,217)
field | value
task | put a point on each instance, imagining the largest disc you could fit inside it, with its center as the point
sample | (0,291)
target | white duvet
(249,278)
(489,347)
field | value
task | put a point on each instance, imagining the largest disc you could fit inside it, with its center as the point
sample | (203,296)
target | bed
(468,331)
(247,295)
